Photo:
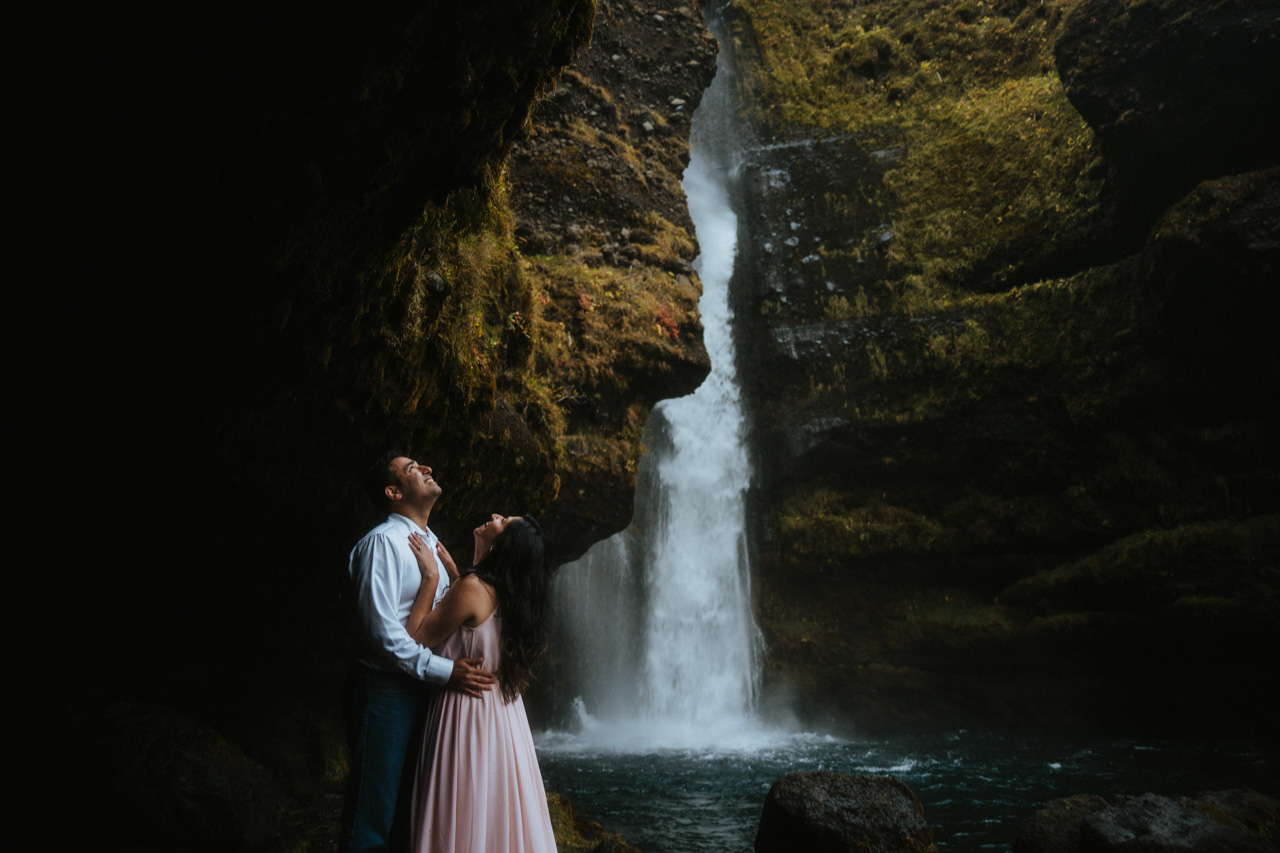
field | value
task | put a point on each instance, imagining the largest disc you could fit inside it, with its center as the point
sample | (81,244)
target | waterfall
(656,622)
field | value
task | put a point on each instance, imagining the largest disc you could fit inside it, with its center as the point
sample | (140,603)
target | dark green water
(976,788)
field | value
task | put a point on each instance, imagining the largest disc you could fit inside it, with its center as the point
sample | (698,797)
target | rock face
(605,231)
(162,781)
(1239,820)
(1170,89)
(829,812)
(1013,465)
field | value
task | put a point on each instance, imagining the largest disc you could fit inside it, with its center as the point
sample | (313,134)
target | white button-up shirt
(387,579)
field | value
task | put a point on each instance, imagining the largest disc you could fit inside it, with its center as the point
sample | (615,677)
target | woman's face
(490,530)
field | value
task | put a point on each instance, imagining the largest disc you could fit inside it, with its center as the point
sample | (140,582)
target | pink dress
(478,787)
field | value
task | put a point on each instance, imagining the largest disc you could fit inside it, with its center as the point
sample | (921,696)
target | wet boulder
(825,812)
(1238,821)
(159,780)
(1057,825)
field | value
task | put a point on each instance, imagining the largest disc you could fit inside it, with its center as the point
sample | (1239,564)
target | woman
(478,786)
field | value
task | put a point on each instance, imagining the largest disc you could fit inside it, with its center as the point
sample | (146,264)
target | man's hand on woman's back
(467,677)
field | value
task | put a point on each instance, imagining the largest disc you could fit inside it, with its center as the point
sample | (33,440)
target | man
(386,694)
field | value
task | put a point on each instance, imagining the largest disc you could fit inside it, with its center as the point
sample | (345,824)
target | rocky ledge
(1240,821)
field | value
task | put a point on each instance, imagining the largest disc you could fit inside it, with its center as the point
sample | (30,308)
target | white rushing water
(656,622)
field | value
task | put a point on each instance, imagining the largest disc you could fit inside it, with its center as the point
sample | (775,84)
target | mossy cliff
(604,231)
(1010,281)
(295,237)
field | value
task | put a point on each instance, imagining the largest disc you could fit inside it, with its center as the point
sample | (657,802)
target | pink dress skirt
(478,787)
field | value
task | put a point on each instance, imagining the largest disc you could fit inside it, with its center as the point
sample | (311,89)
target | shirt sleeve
(377,598)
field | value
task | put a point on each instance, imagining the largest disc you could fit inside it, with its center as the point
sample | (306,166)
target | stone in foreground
(1238,821)
(159,780)
(824,812)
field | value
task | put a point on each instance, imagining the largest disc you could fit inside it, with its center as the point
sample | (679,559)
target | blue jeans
(384,713)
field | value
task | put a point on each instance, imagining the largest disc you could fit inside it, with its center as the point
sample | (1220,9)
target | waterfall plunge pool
(976,788)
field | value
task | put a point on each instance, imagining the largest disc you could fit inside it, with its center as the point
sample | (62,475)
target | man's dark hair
(379,476)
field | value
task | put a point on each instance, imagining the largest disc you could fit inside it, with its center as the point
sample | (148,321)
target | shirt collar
(411,524)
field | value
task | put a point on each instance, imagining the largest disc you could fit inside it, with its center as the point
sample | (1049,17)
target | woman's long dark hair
(519,570)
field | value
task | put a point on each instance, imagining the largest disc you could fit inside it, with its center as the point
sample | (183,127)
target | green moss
(995,156)
(1002,167)
(574,166)
(573,832)
(591,451)
(824,522)
(1082,337)
(671,243)
(813,64)
(1192,566)
(454,295)
(600,326)
(459,279)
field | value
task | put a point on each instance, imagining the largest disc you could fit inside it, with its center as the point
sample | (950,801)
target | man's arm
(373,570)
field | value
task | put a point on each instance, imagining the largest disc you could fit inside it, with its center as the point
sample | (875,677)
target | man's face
(416,482)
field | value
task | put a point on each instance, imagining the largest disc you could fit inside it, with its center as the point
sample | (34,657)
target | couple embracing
(442,758)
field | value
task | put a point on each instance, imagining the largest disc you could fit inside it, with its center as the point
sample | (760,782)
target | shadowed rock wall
(281,241)
(1016,465)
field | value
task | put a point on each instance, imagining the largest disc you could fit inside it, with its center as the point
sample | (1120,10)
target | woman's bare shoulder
(471,584)
(478,597)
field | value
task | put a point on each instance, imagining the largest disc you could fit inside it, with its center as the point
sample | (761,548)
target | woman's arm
(465,601)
